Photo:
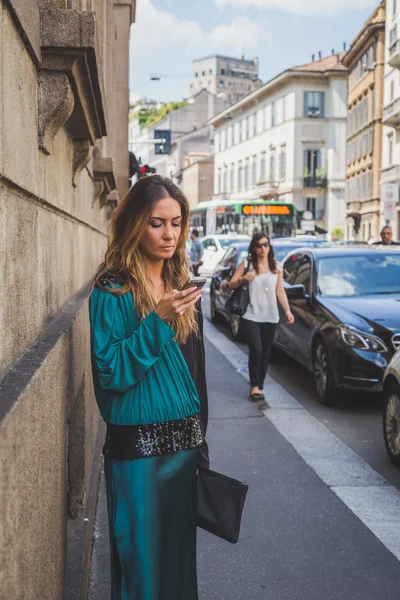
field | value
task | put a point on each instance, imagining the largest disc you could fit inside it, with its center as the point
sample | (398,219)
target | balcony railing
(314,181)
(394,54)
(391,114)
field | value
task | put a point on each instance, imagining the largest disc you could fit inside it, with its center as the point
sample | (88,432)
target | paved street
(321,520)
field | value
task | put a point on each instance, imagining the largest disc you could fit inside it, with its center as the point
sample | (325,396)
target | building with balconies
(227,77)
(286,140)
(365,60)
(390,172)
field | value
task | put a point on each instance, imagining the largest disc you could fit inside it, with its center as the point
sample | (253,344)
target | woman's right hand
(173,304)
(248,276)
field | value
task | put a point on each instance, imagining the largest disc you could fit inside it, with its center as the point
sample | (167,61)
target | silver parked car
(391,413)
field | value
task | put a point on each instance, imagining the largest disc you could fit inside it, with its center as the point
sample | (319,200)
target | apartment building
(365,61)
(390,173)
(228,77)
(287,140)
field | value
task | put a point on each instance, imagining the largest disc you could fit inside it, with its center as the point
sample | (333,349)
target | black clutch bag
(220,502)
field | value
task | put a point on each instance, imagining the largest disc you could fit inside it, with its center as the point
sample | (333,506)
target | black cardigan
(194,355)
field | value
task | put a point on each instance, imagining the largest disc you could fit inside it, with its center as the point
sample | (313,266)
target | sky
(169,34)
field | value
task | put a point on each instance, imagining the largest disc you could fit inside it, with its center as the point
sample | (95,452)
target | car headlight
(362,341)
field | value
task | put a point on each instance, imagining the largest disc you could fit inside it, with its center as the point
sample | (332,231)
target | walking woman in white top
(262,314)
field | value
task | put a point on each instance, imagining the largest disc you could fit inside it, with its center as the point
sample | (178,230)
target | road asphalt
(299,540)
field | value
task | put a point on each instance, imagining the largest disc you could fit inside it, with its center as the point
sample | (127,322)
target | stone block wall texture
(53,235)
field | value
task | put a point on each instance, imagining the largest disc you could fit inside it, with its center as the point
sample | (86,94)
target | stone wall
(63,166)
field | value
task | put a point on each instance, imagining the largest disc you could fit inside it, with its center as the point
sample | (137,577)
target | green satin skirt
(152,508)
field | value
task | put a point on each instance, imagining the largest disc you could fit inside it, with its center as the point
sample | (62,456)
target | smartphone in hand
(197,282)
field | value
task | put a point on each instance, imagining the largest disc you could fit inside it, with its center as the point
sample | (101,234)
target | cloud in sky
(156,28)
(302,6)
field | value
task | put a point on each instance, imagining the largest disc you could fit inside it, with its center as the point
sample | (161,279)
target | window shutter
(305,104)
(322,105)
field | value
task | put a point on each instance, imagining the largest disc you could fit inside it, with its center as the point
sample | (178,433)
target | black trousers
(259,338)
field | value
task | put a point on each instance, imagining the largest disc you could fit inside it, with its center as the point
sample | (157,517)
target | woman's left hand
(290,317)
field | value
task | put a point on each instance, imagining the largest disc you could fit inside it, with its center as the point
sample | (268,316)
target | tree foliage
(147,118)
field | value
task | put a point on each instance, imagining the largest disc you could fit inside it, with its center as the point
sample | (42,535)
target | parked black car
(346,304)
(219,290)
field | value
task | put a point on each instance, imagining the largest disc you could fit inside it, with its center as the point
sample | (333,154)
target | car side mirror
(212,248)
(294,292)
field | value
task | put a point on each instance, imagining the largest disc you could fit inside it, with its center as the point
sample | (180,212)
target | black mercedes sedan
(346,304)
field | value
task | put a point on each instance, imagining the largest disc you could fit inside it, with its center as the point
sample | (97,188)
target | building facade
(180,122)
(365,61)
(287,140)
(63,165)
(391,117)
(227,77)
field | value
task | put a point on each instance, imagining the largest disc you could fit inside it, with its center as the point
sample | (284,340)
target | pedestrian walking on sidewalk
(196,252)
(148,373)
(262,314)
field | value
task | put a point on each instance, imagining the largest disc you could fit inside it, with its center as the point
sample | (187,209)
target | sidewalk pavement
(298,540)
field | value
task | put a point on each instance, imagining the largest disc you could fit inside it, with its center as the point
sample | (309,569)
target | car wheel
(323,374)
(216,317)
(234,322)
(391,423)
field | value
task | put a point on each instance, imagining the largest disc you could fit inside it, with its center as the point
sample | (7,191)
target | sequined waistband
(140,441)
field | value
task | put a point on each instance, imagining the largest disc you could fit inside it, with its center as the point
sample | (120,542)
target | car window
(226,242)
(303,275)
(227,258)
(361,274)
(290,267)
(205,243)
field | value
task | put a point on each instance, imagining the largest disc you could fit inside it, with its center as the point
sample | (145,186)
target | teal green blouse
(140,376)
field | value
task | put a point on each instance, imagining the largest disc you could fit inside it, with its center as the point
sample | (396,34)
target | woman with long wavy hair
(148,373)
(262,314)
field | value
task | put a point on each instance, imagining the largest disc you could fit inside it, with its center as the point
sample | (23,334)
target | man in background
(386,237)
(196,252)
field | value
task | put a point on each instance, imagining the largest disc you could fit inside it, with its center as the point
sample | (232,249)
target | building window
(371,104)
(392,39)
(313,173)
(221,83)
(203,73)
(196,74)
(272,170)
(240,176)
(254,171)
(390,148)
(284,108)
(222,71)
(232,178)
(391,90)
(263,166)
(247,127)
(223,140)
(273,114)
(219,182)
(282,164)
(210,72)
(225,182)
(246,173)
(314,105)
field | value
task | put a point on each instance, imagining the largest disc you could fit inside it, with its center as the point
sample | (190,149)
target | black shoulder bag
(239,300)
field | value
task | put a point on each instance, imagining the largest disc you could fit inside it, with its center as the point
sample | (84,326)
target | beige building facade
(227,77)
(63,167)
(365,61)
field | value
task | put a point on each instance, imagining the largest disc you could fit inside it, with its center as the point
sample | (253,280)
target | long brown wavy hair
(253,254)
(125,261)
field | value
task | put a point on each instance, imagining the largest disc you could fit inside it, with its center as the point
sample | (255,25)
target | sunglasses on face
(264,244)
